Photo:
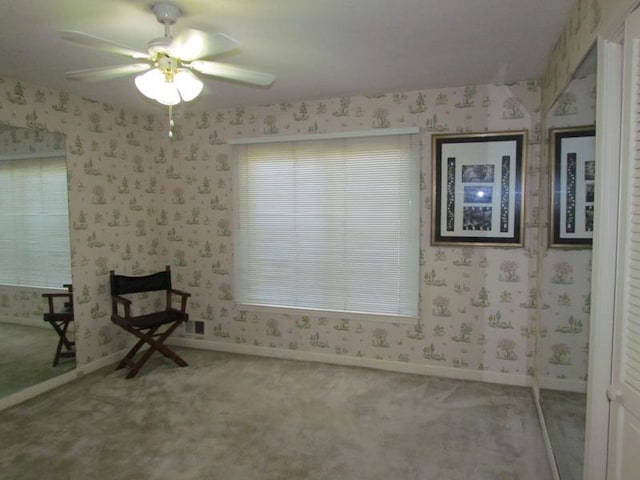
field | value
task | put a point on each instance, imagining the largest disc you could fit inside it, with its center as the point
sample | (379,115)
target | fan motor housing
(167,63)
(159,45)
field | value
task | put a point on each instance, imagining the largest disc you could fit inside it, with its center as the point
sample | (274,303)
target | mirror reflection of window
(34,253)
(35,244)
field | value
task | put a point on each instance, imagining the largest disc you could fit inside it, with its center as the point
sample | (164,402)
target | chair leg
(56,357)
(167,352)
(128,358)
(138,365)
(61,329)
(154,345)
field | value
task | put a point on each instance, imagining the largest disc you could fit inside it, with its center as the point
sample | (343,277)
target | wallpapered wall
(566,274)
(138,201)
(109,217)
(586,19)
(28,141)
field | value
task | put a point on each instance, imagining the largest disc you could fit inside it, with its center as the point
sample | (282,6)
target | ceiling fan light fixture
(148,81)
(167,94)
(171,62)
(155,85)
(188,84)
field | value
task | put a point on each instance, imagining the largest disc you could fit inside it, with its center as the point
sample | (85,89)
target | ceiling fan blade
(192,44)
(232,72)
(107,73)
(101,44)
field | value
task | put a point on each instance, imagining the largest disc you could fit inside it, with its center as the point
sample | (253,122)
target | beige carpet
(26,357)
(241,417)
(565,417)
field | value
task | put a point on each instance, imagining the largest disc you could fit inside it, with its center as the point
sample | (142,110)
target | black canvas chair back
(122,285)
(60,316)
(150,329)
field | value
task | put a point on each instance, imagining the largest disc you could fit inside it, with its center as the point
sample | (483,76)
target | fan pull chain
(171,121)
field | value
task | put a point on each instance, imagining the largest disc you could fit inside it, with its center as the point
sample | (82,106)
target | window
(329,224)
(34,245)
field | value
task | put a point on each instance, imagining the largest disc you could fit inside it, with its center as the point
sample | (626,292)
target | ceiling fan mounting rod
(167,14)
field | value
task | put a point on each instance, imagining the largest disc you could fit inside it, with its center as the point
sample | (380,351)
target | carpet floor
(564,416)
(27,357)
(241,417)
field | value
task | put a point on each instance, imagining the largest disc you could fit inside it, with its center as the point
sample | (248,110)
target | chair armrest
(51,296)
(183,300)
(180,292)
(118,300)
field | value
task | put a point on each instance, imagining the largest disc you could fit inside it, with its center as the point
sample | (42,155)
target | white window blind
(329,224)
(34,245)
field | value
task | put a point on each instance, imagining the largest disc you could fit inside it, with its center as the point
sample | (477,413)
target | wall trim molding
(545,434)
(78,372)
(612,27)
(350,361)
(36,322)
(553,383)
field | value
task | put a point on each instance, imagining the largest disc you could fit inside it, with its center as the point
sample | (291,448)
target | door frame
(603,262)
(604,258)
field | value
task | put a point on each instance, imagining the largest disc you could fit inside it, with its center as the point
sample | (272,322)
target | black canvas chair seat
(156,318)
(60,317)
(153,328)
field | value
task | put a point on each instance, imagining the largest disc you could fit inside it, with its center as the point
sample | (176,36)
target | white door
(624,393)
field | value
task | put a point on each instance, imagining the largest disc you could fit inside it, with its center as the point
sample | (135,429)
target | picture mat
(480,153)
(584,149)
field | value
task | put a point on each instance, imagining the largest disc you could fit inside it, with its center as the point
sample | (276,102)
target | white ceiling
(315,48)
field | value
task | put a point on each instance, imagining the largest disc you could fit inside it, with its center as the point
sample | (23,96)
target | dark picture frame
(572,176)
(478,189)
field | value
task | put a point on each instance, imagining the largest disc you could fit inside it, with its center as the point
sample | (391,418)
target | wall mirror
(34,255)
(565,283)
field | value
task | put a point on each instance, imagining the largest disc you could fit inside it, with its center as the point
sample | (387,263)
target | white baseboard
(400,367)
(35,390)
(553,383)
(26,322)
(345,360)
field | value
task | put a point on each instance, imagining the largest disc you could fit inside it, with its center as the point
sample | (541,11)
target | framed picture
(478,189)
(572,172)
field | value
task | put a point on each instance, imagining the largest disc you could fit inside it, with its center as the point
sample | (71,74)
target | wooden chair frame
(147,328)
(60,321)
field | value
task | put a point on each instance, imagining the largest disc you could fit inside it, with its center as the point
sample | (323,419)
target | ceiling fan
(169,63)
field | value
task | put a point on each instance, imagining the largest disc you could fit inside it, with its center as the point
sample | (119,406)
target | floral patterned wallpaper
(18,141)
(586,19)
(566,273)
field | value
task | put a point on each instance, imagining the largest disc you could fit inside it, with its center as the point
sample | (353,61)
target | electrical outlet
(199,327)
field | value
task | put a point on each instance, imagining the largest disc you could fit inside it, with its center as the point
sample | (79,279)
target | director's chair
(153,328)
